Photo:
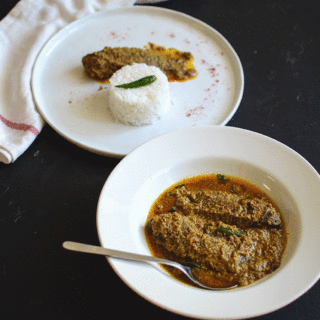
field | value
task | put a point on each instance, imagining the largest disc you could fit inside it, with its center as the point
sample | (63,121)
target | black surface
(50,193)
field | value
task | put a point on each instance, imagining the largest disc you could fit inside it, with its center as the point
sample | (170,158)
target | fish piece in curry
(177,65)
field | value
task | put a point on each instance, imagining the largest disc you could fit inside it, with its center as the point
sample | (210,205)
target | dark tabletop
(50,193)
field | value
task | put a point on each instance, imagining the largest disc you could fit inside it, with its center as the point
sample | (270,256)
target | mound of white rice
(143,105)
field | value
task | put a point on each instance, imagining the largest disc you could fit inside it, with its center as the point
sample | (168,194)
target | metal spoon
(80,247)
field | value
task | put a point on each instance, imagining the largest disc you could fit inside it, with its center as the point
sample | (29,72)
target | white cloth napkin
(23,32)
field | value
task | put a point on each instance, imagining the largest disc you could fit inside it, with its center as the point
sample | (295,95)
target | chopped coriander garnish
(229,232)
(221,178)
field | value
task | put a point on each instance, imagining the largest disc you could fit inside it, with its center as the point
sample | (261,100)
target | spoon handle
(86,248)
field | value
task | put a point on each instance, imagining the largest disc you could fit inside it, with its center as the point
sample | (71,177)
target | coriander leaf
(229,232)
(221,178)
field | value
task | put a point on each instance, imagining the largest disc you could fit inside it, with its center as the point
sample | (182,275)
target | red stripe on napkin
(19,126)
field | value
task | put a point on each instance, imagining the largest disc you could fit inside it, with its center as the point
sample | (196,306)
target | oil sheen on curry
(227,228)
(175,64)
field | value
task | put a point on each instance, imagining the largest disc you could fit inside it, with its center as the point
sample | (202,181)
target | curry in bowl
(227,228)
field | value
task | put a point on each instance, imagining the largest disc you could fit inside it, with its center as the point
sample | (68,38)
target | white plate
(75,107)
(282,173)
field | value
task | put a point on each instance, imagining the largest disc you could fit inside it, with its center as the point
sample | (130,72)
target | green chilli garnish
(138,83)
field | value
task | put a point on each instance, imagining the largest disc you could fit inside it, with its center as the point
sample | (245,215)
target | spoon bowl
(187,270)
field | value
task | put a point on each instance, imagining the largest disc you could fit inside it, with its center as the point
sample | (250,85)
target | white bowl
(282,173)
